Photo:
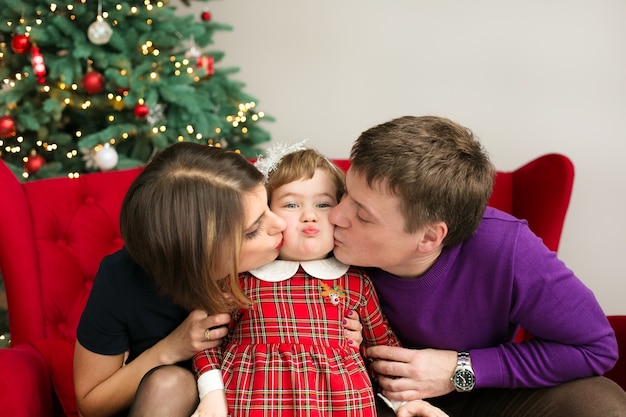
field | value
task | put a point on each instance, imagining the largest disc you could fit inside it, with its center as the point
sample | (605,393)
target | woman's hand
(353,329)
(190,337)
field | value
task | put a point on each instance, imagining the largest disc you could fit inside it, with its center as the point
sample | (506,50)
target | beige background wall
(529,77)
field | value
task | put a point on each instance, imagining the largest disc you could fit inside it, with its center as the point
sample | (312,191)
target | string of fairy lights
(192,64)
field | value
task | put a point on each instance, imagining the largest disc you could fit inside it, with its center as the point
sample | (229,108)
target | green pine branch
(145,61)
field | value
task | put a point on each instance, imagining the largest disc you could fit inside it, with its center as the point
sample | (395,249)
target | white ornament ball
(106,158)
(193,53)
(99,32)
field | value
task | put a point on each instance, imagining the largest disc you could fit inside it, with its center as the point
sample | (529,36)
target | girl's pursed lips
(311,231)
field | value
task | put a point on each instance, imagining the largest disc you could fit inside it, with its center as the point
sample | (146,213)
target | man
(456,279)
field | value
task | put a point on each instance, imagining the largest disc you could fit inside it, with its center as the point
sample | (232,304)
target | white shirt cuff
(210,381)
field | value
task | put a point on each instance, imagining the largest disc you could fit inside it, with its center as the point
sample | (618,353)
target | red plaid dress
(287,354)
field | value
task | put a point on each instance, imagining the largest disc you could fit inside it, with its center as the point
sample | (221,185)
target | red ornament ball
(20,44)
(8,127)
(206,15)
(206,63)
(34,163)
(141,111)
(93,82)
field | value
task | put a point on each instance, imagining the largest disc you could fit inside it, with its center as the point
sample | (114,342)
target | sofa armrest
(618,373)
(25,388)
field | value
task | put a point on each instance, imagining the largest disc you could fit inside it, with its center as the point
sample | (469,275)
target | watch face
(464,380)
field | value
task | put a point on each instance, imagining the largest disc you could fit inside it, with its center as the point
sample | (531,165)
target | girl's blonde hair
(302,165)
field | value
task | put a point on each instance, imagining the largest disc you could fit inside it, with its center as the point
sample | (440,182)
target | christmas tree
(99,85)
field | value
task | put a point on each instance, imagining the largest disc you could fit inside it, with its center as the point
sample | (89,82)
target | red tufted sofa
(55,232)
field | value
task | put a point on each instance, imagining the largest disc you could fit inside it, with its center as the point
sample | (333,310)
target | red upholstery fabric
(618,373)
(25,388)
(54,234)
(59,357)
(56,231)
(538,192)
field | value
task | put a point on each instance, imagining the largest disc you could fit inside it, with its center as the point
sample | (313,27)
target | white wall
(529,77)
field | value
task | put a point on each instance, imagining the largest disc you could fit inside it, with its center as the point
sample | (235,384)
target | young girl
(286,353)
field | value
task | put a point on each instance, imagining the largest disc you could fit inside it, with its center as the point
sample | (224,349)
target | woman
(193,219)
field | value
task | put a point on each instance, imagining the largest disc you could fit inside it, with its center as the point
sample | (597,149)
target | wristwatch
(463,377)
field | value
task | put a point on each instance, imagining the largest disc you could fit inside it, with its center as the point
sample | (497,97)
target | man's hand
(413,374)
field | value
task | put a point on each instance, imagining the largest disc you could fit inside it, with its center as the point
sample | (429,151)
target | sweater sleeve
(207,360)
(572,336)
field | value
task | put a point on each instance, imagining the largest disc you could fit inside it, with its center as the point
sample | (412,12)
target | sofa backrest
(56,231)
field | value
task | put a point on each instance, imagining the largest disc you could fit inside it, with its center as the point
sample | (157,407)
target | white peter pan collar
(280,270)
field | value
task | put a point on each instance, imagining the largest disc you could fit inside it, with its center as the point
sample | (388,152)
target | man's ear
(433,236)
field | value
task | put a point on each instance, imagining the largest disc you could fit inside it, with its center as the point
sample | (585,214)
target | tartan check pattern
(287,355)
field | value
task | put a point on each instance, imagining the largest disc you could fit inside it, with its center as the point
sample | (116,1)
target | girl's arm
(207,366)
(212,404)
(376,328)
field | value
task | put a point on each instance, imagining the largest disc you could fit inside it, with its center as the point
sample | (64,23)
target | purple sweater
(477,293)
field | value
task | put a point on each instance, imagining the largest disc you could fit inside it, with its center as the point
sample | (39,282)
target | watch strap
(463,378)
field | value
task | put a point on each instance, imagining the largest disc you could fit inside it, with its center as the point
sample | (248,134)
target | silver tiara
(274,154)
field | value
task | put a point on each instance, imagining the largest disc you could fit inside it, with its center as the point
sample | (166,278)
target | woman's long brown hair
(182,222)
